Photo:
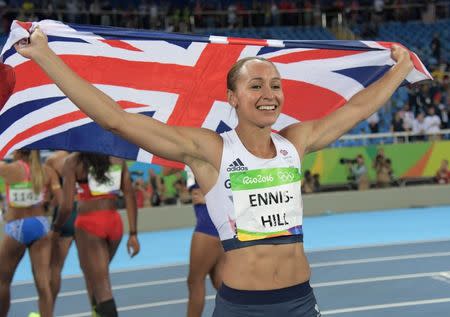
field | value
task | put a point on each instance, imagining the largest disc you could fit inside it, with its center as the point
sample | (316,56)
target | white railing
(397,137)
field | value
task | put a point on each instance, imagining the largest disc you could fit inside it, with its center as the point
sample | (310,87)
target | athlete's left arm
(131,206)
(6,169)
(314,135)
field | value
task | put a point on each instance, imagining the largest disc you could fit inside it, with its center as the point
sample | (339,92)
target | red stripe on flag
(121,44)
(53,123)
(207,86)
(111,71)
(312,55)
(26,25)
(305,101)
(246,41)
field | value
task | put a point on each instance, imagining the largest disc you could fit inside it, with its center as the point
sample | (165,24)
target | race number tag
(112,186)
(267,203)
(22,195)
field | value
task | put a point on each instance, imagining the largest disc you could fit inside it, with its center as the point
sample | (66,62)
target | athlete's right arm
(181,144)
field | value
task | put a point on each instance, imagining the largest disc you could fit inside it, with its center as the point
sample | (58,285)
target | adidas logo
(237,165)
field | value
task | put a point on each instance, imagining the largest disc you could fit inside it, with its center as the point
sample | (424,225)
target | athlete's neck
(257,141)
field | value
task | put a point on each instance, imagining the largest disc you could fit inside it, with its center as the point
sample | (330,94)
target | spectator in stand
(94,12)
(407,116)
(232,16)
(308,12)
(354,13)
(308,183)
(316,182)
(171,176)
(379,158)
(443,173)
(155,184)
(27,12)
(432,124)
(183,193)
(383,169)
(358,173)
(4,28)
(398,125)
(422,99)
(378,6)
(419,127)
(141,193)
(436,48)
(169,192)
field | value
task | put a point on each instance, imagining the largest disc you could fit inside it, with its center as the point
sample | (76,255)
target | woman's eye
(276,87)
(256,86)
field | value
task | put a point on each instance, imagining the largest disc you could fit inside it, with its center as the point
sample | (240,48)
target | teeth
(266,107)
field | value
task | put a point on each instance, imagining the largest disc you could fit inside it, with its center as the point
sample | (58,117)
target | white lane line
(382,259)
(314,285)
(378,279)
(326,312)
(384,306)
(118,287)
(135,307)
(376,245)
(150,267)
(443,277)
(118,271)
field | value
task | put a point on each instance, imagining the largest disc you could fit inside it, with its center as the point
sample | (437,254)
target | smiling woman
(266,271)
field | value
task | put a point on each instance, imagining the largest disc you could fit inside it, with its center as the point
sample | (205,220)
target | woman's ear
(232,98)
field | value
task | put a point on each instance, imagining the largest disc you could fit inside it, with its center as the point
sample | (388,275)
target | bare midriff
(266,267)
(85,206)
(14,213)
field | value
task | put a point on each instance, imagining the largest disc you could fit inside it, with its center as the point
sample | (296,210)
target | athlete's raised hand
(31,47)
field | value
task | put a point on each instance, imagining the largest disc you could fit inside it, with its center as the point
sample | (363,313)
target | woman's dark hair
(97,164)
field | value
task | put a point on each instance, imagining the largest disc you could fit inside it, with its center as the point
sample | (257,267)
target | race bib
(112,186)
(22,195)
(267,203)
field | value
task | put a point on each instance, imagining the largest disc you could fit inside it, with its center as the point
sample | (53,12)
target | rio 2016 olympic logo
(285,176)
(257,179)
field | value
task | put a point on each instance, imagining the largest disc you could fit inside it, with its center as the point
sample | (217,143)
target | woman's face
(258,96)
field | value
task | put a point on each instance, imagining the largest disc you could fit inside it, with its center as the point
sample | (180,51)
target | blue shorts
(27,230)
(204,222)
(293,301)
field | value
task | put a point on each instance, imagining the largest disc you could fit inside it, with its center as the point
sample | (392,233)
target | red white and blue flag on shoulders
(177,79)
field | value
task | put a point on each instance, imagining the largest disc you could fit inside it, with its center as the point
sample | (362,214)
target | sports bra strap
(27,169)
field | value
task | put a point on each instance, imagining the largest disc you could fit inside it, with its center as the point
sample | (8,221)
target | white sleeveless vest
(236,158)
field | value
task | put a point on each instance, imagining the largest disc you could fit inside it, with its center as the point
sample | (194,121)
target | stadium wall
(172,217)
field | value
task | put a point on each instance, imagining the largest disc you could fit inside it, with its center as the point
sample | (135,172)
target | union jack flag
(177,79)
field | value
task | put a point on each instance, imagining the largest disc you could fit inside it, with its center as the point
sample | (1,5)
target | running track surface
(386,263)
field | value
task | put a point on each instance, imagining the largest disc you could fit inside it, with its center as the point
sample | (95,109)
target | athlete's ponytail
(97,164)
(37,172)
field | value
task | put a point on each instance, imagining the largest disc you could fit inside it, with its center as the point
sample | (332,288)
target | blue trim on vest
(235,243)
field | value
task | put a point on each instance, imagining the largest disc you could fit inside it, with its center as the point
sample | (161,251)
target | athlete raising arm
(265,268)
